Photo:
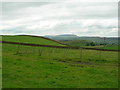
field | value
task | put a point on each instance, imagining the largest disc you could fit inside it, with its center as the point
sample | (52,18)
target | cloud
(92,18)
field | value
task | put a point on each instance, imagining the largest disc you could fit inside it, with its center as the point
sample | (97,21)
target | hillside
(108,40)
(111,47)
(76,43)
(31,39)
(45,67)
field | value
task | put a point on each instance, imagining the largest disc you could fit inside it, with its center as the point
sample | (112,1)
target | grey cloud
(77,10)
(12,6)
(14,10)
(101,27)
(37,13)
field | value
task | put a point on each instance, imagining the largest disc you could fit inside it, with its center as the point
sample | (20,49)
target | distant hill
(31,39)
(77,43)
(108,40)
(63,37)
(68,35)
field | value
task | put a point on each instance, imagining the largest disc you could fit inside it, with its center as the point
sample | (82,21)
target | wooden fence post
(40,52)
(26,51)
(100,55)
(65,52)
(33,50)
(18,52)
(81,53)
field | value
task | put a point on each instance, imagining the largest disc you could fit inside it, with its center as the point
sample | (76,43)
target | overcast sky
(54,18)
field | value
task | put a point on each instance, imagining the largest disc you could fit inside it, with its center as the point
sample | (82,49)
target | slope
(31,39)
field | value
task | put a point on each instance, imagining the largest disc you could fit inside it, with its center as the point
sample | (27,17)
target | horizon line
(56,35)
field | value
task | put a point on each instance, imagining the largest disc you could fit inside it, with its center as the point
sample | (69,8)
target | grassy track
(44,67)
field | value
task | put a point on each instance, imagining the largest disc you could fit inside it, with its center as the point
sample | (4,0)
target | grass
(29,39)
(112,47)
(58,68)
(107,47)
(0,64)
(76,43)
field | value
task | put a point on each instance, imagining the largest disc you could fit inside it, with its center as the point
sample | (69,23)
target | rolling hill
(63,37)
(31,39)
(76,43)
(117,47)
(108,40)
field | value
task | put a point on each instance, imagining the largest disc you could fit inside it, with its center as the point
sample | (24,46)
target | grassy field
(76,43)
(0,63)
(107,47)
(32,40)
(44,67)
(112,47)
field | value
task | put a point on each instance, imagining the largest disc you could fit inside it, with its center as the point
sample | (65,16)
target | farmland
(76,43)
(30,39)
(117,47)
(99,40)
(90,44)
(45,67)
(106,47)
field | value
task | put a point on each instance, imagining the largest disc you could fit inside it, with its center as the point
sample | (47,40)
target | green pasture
(112,47)
(44,67)
(29,39)
(76,43)
(107,47)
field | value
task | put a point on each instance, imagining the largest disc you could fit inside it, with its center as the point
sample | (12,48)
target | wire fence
(69,54)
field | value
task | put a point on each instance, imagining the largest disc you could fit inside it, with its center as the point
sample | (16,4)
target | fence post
(51,53)
(81,53)
(65,52)
(40,52)
(32,51)
(100,55)
(26,52)
(17,52)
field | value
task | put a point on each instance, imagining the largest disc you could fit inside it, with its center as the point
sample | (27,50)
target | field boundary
(29,44)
